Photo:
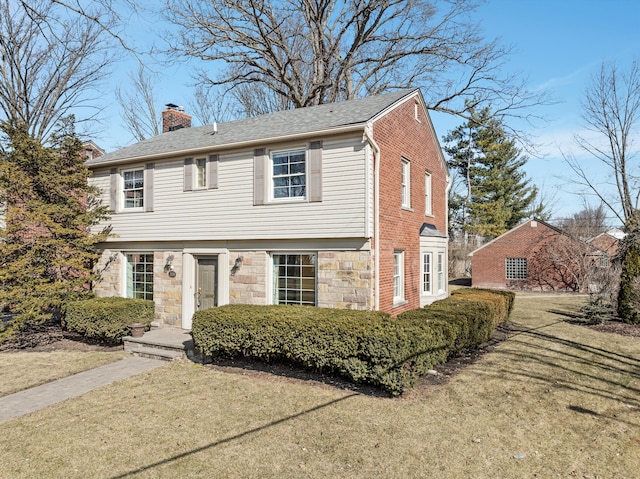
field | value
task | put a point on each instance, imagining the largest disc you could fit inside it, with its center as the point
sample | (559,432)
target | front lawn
(554,400)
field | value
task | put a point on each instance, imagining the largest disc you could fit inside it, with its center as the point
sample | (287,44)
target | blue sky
(558,45)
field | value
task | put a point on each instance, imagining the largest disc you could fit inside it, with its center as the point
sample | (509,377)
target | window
(398,276)
(427,193)
(201,173)
(140,275)
(294,279)
(133,188)
(441,285)
(427,285)
(406,184)
(289,174)
(516,268)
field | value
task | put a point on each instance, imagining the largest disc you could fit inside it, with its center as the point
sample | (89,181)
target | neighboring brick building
(533,256)
(341,205)
(609,241)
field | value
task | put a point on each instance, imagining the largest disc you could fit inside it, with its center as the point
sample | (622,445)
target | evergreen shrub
(363,346)
(109,318)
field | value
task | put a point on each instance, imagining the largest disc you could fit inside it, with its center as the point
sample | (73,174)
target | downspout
(446,224)
(368,136)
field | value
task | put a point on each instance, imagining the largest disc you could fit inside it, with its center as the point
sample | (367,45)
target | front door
(207,290)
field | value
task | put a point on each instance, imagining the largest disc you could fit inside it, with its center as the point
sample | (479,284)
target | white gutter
(368,135)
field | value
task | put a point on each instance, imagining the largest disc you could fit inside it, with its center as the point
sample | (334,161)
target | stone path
(39,397)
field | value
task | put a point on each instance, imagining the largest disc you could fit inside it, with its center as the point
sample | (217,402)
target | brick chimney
(174,118)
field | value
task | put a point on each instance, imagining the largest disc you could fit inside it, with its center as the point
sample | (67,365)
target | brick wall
(529,240)
(400,135)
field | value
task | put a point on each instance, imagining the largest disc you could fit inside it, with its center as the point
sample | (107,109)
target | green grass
(554,400)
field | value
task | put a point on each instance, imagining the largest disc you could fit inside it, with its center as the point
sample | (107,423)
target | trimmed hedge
(363,346)
(109,318)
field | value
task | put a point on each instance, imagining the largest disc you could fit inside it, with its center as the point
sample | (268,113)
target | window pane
(139,275)
(295,282)
(288,174)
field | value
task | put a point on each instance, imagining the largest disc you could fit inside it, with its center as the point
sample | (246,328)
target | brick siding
(400,135)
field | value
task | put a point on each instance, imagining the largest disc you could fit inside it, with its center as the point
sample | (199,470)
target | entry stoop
(167,344)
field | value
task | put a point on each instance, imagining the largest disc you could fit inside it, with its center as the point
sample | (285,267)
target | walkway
(39,397)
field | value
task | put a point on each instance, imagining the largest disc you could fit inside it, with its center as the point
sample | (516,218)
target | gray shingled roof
(265,127)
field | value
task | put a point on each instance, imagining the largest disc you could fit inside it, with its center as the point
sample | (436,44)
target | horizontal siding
(228,212)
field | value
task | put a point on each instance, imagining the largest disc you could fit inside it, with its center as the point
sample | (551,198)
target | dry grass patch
(554,400)
(22,370)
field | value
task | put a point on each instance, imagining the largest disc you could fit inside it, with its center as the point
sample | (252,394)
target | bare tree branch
(310,52)
(50,65)
(611,110)
(138,109)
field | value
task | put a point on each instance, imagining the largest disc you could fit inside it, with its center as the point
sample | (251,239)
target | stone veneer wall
(247,282)
(345,279)
(108,267)
(167,291)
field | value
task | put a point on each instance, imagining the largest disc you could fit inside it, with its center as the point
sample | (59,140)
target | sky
(557,46)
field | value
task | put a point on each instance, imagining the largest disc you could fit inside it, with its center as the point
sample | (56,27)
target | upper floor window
(133,188)
(427,194)
(516,268)
(201,173)
(289,174)
(406,183)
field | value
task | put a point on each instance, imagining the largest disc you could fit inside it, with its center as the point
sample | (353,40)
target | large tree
(50,64)
(297,53)
(611,112)
(47,246)
(495,194)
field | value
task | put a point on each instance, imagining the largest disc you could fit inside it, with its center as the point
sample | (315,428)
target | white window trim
(271,186)
(406,183)
(124,277)
(428,201)
(195,185)
(440,271)
(271,283)
(423,272)
(398,277)
(122,189)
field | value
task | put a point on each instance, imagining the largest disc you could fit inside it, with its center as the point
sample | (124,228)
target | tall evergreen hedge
(363,346)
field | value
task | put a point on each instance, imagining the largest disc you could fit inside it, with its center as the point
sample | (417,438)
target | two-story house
(340,205)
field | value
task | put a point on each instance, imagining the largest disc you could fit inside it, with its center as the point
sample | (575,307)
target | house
(609,241)
(535,256)
(340,205)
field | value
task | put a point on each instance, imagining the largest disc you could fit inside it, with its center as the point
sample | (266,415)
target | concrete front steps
(165,343)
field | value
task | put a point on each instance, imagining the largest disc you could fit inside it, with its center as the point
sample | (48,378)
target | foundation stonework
(108,269)
(345,279)
(167,289)
(247,279)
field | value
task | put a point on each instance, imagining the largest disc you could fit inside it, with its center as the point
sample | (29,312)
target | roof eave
(228,146)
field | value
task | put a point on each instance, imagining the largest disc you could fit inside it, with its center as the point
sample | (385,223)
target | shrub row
(362,346)
(107,319)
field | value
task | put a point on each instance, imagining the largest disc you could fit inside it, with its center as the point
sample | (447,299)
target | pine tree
(47,248)
(498,195)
